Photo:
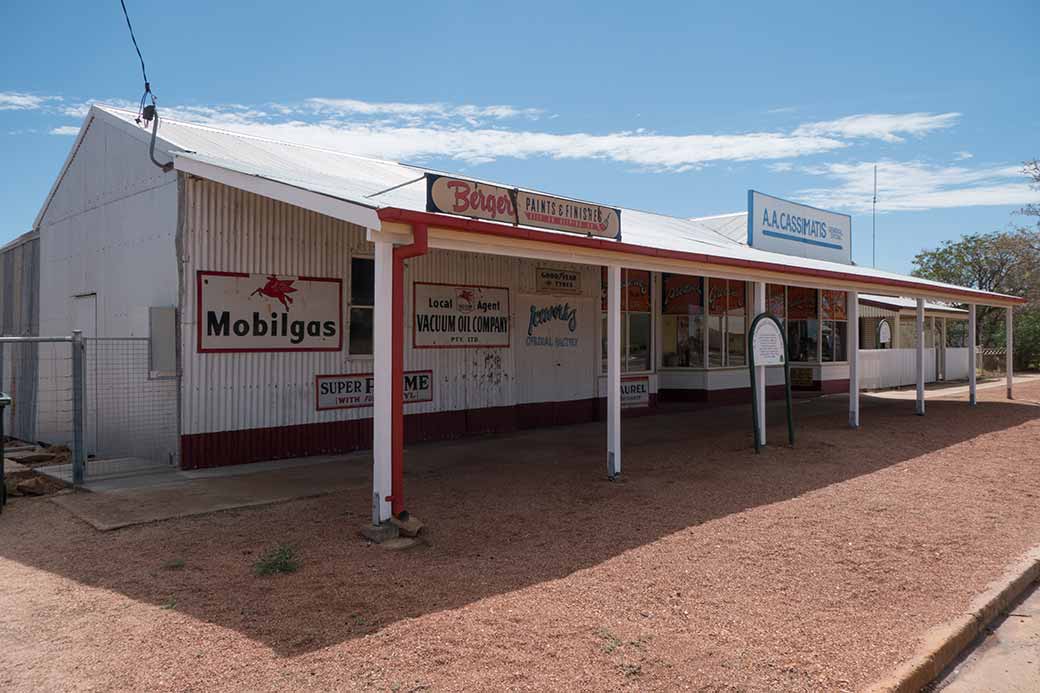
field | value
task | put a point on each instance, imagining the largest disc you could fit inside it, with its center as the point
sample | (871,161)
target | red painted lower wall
(257,444)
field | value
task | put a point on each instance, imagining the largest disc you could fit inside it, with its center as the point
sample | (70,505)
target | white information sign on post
(767,344)
(884,332)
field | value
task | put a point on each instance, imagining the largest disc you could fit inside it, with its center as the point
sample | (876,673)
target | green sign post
(768,347)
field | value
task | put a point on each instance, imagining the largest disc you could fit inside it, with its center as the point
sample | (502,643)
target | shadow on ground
(504,513)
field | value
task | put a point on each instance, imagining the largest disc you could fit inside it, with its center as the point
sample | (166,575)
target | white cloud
(17,101)
(781,167)
(915,185)
(481,145)
(417,111)
(882,126)
(962,156)
(65,130)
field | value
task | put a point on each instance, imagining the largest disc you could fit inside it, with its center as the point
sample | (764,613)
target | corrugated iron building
(127,249)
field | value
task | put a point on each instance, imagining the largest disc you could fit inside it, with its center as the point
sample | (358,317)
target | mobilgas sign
(354,390)
(268,312)
(787,227)
(468,198)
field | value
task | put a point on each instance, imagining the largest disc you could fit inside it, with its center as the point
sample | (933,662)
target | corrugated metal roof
(377,184)
(901,302)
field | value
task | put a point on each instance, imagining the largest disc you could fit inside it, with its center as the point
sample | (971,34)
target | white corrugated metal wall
(230,230)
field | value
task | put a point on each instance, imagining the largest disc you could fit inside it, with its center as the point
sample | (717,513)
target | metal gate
(98,396)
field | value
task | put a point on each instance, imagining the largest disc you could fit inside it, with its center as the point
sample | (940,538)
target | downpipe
(419,246)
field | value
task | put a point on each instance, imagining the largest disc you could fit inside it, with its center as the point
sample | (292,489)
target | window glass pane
(801,340)
(683,345)
(737,339)
(737,293)
(635,290)
(801,303)
(717,289)
(776,301)
(360,330)
(827,345)
(841,340)
(681,295)
(834,304)
(362,281)
(715,340)
(638,341)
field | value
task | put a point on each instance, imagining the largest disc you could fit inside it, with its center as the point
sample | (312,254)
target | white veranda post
(613,371)
(853,349)
(1010,352)
(760,371)
(920,356)
(382,349)
(972,356)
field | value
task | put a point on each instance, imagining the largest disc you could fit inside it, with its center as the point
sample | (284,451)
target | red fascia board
(409,216)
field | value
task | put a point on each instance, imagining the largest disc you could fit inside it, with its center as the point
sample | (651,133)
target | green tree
(1006,262)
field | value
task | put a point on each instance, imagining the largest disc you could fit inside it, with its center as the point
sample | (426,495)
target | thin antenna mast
(873,222)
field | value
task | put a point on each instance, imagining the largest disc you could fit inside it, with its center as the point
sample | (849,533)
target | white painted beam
(973,338)
(613,370)
(382,368)
(1010,352)
(853,356)
(919,352)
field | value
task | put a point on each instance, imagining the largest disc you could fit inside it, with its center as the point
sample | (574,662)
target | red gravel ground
(708,569)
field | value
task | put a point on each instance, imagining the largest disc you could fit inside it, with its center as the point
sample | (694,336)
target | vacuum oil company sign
(460,316)
(267,312)
(450,195)
(354,390)
(787,227)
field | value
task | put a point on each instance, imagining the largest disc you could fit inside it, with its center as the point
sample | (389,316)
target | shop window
(636,343)
(802,324)
(362,302)
(776,301)
(835,328)
(727,322)
(956,333)
(682,317)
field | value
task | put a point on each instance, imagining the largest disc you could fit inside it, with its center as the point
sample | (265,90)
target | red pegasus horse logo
(278,289)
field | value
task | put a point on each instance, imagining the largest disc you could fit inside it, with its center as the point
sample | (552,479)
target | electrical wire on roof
(148,112)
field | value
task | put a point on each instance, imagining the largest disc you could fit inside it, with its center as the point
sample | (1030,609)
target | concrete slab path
(1005,661)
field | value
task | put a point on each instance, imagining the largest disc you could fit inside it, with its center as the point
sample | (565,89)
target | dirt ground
(708,569)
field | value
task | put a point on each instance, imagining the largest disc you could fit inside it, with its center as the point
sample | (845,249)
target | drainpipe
(418,246)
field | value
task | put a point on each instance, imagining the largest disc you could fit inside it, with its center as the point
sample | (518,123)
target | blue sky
(677,108)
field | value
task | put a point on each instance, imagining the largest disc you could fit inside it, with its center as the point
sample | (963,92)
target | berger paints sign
(268,312)
(468,198)
(460,316)
(354,390)
(787,227)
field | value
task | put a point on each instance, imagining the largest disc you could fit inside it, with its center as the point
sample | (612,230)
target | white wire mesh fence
(130,411)
(126,418)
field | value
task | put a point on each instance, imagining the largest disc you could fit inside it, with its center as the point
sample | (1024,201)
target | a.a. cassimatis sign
(782,226)
(267,312)
(468,198)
